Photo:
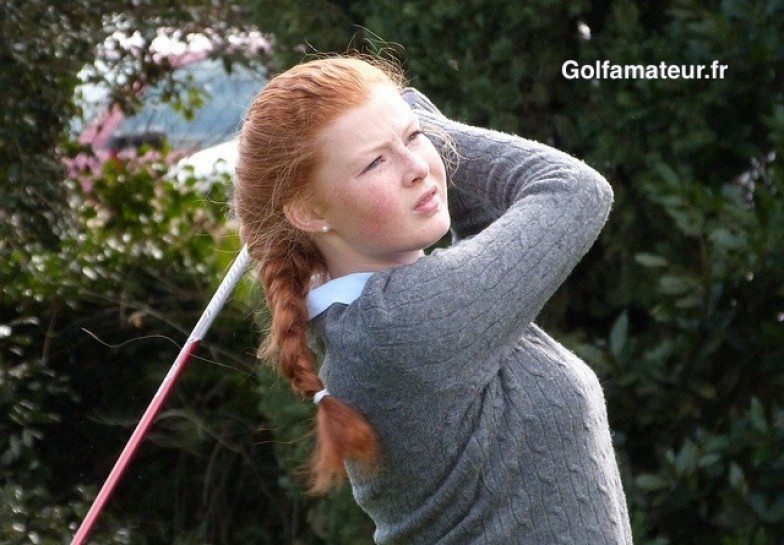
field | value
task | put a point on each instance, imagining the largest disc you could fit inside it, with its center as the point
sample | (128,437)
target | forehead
(382,117)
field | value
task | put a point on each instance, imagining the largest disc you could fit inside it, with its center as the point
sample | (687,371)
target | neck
(341,263)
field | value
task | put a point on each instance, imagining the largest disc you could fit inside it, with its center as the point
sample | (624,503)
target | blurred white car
(209,163)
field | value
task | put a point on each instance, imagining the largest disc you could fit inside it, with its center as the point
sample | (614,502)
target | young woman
(457,419)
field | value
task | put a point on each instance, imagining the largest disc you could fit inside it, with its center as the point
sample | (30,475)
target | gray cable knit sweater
(491,431)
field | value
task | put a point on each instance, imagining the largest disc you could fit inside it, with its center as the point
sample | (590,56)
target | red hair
(277,158)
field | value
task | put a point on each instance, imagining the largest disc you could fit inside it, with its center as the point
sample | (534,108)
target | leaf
(691,300)
(776,511)
(690,222)
(736,478)
(671,284)
(686,458)
(618,334)
(650,260)
(709,460)
(757,503)
(757,415)
(667,173)
(724,239)
(650,482)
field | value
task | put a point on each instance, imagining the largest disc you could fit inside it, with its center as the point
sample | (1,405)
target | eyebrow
(360,156)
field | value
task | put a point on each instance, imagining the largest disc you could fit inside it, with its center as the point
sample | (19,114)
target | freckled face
(377,167)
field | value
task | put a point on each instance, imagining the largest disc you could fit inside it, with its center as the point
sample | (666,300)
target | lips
(425,197)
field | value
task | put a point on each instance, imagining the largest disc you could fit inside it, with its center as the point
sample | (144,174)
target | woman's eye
(380,159)
(376,162)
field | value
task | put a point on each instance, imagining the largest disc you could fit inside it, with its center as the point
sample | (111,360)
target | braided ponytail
(277,156)
(340,430)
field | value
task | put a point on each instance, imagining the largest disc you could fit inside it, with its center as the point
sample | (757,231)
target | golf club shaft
(176,370)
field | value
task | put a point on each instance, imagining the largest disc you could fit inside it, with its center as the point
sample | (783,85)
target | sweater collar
(344,289)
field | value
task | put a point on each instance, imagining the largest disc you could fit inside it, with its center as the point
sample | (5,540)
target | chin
(439,233)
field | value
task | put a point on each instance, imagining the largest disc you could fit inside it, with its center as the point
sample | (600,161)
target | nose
(416,167)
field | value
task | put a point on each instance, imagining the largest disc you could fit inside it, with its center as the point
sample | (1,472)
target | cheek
(437,167)
(434,161)
(373,213)
(438,170)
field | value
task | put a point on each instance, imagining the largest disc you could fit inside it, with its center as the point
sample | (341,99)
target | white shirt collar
(344,289)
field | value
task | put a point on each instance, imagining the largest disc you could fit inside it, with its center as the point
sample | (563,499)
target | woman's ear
(303,215)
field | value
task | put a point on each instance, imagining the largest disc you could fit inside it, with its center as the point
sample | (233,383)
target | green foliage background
(679,307)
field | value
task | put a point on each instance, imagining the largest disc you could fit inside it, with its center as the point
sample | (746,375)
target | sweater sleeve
(447,311)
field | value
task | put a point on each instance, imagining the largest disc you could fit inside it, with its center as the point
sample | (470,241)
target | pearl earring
(324,228)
